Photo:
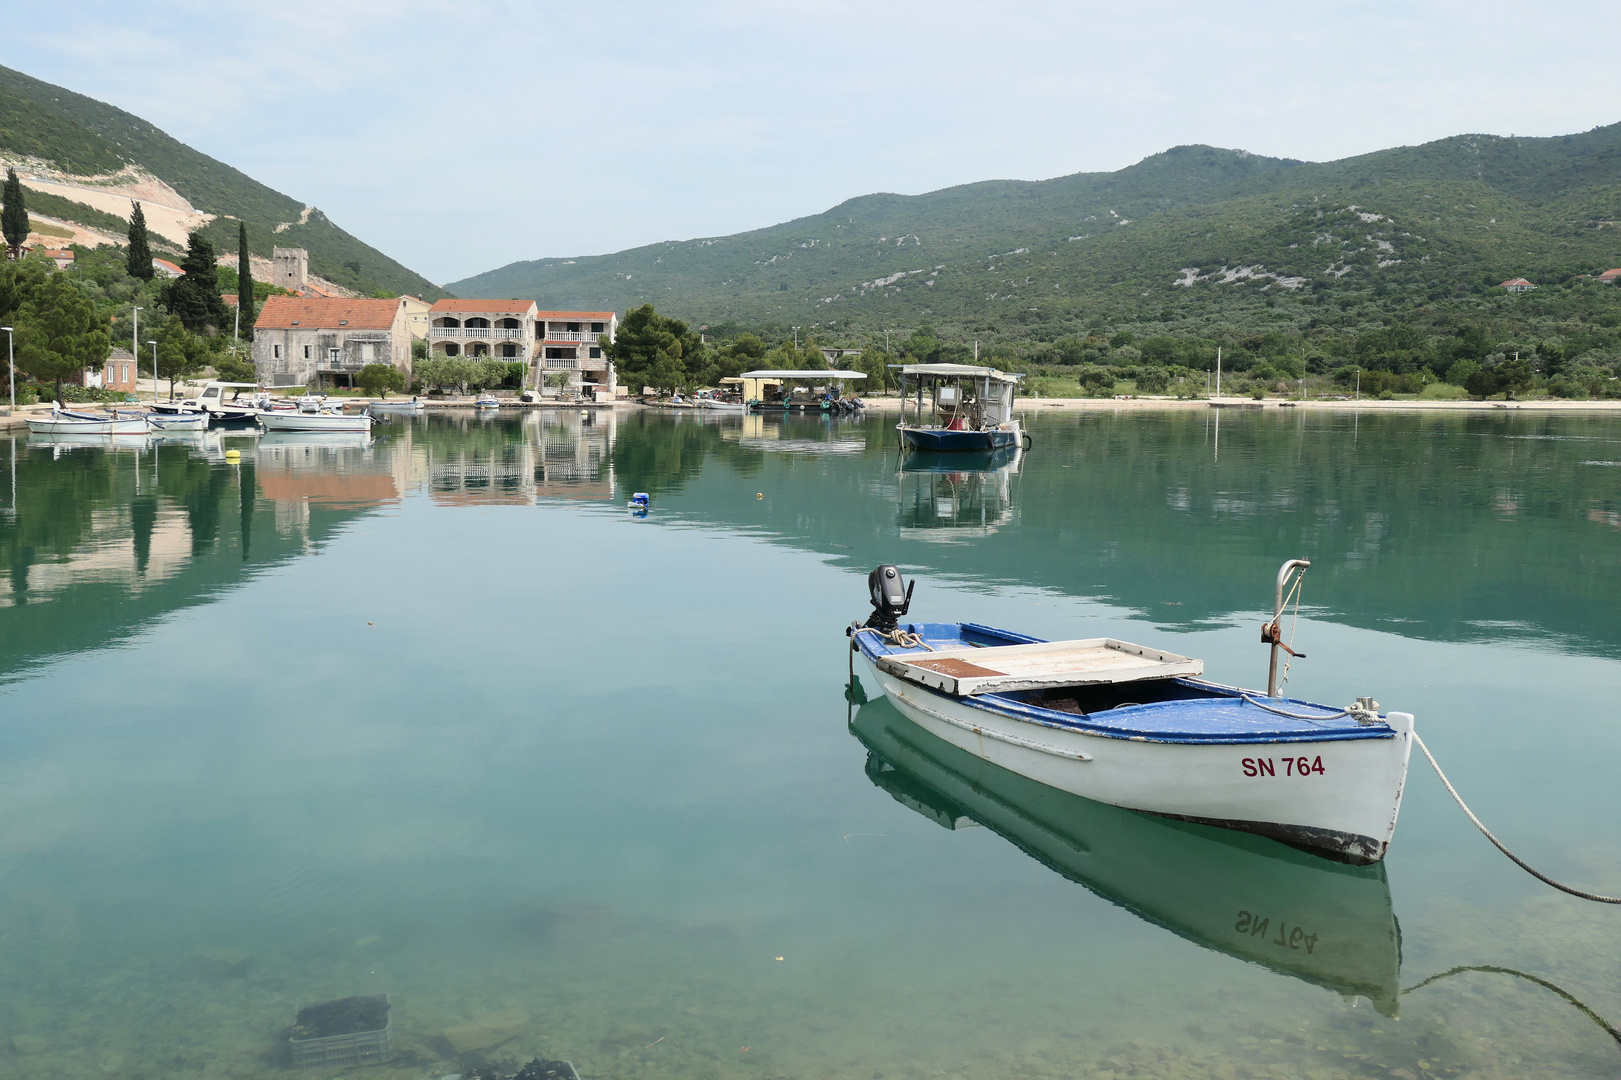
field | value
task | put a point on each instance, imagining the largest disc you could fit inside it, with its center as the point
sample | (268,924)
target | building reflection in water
(565,454)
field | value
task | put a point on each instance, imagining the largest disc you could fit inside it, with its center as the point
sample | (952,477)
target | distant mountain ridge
(86,138)
(1178,226)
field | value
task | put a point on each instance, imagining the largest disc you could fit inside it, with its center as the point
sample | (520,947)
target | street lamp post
(11,365)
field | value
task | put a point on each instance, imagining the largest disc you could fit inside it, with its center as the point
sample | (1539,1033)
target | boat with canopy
(958,407)
(799,391)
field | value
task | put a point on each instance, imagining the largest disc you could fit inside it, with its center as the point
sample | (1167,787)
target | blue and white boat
(177,420)
(957,407)
(1139,727)
(487,401)
(70,422)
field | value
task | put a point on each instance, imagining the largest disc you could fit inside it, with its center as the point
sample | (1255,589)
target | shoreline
(1241,404)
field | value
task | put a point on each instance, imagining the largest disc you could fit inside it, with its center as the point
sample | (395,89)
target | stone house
(325,341)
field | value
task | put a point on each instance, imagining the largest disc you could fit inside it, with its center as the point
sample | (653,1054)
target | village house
(167,269)
(1517,285)
(1611,275)
(119,373)
(325,341)
(62,257)
(569,344)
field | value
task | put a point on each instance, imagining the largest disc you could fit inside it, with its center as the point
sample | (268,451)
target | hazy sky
(460,136)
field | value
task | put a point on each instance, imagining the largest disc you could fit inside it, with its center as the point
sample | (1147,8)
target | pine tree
(14,218)
(195,296)
(140,253)
(244,281)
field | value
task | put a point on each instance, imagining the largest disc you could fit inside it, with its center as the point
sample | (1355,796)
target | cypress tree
(140,253)
(195,296)
(14,218)
(244,280)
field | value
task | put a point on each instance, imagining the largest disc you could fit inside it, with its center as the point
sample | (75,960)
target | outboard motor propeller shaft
(890,600)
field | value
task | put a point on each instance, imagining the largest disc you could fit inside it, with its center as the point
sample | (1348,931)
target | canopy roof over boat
(964,371)
(770,374)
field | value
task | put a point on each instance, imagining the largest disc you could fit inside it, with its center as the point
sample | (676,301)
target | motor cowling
(891,598)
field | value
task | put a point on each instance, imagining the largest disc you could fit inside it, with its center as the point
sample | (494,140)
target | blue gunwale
(1218,714)
(947,440)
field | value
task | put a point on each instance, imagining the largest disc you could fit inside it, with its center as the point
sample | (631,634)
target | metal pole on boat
(1218,371)
(1277,615)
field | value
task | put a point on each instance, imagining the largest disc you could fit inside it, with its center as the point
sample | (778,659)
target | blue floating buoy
(639,501)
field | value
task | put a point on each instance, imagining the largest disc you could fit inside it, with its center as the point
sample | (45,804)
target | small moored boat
(408,406)
(68,422)
(177,420)
(319,420)
(959,407)
(487,401)
(1138,727)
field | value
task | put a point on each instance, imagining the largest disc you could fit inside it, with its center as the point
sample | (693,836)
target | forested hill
(1178,236)
(84,137)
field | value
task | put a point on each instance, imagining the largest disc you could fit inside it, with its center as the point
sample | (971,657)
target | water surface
(433,715)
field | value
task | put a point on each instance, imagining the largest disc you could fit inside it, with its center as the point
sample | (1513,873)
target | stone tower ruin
(292,267)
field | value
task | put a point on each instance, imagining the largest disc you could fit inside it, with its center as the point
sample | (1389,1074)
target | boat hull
(1348,808)
(120,426)
(169,421)
(944,440)
(298,421)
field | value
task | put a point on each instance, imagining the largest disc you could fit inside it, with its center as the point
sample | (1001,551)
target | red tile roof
(1514,281)
(230,299)
(483,305)
(169,266)
(281,312)
(1610,275)
(576,316)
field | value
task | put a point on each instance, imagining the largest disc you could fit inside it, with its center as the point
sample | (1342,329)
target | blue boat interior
(1158,710)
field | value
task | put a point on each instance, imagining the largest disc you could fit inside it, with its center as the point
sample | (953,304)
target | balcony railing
(490,332)
(554,363)
(570,335)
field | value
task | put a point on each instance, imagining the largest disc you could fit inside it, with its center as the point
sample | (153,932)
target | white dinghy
(1139,727)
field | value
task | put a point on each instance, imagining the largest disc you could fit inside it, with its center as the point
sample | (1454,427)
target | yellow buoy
(233,455)
(759,494)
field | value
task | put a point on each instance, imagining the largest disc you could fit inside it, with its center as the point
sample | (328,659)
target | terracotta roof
(169,266)
(1610,275)
(576,316)
(483,305)
(282,312)
(230,299)
(1513,281)
(55,253)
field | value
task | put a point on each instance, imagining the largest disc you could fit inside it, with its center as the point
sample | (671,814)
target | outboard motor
(890,600)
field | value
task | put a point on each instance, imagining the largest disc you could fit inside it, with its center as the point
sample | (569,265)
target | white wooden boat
(324,420)
(403,405)
(177,420)
(487,401)
(67,422)
(1139,727)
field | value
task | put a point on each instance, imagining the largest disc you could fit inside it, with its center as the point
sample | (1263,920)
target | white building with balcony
(570,342)
(487,329)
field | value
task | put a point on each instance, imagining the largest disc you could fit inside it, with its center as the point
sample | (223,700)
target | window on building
(554,352)
(306,352)
(596,353)
(368,353)
(596,328)
(574,328)
(332,356)
(275,352)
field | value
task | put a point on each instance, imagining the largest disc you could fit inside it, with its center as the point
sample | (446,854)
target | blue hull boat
(942,440)
(1138,727)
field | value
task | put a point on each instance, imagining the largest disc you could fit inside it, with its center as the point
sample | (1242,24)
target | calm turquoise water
(435,716)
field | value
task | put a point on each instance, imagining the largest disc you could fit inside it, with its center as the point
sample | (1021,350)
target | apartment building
(569,343)
(325,341)
(497,329)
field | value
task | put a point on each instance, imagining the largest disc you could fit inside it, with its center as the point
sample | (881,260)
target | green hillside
(1183,242)
(86,137)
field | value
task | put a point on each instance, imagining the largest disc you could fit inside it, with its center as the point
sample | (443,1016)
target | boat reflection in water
(1294,912)
(949,497)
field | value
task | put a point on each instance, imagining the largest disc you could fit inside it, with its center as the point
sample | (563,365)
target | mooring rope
(1498,844)
(1544,983)
(901,639)
(1299,716)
